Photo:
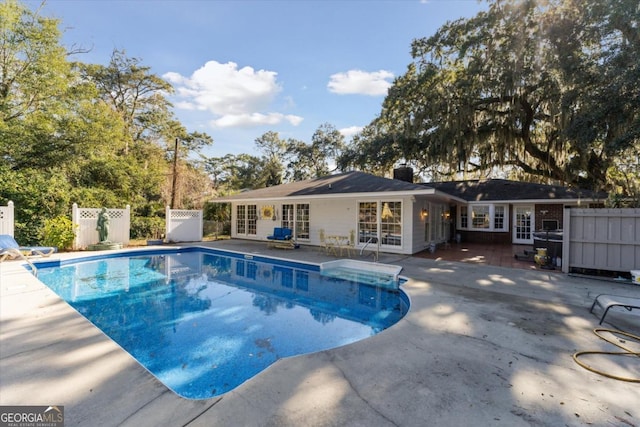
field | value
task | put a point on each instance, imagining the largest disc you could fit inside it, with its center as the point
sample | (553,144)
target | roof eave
(378,194)
(529,201)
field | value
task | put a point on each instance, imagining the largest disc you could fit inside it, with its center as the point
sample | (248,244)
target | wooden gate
(601,239)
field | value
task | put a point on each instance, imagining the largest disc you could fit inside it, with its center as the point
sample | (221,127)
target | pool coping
(435,364)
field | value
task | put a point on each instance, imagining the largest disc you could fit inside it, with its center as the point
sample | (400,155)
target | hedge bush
(59,232)
(147,227)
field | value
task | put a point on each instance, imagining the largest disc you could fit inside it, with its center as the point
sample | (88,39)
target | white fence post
(167,223)
(566,245)
(7,219)
(183,225)
(76,225)
(126,224)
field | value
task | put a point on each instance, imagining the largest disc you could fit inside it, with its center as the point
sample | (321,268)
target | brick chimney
(403,173)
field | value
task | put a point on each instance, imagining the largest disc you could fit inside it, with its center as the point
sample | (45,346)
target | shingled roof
(332,185)
(505,190)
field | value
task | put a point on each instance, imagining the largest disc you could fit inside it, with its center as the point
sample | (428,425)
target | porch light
(446,215)
(424,213)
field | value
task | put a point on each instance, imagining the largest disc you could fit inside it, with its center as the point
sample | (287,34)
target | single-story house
(508,212)
(400,216)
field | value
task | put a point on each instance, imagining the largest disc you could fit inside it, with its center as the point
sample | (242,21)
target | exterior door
(523,223)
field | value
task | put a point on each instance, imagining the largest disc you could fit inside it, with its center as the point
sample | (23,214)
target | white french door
(523,223)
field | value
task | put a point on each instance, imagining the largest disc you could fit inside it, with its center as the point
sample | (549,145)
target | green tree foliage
(273,149)
(33,75)
(143,227)
(74,132)
(219,212)
(233,173)
(246,172)
(373,150)
(37,195)
(136,94)
(315,159)
(549,88)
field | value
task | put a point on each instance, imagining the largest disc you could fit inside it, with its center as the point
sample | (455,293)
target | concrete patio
(481,345)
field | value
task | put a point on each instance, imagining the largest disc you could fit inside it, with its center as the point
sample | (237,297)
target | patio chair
(351,246)
(282,238)
(327,246)
(9,248)
(607,301)
(281,233)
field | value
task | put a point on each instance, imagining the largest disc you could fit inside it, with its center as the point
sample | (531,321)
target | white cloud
(254,119)
(237,97)
(361,82)
(350,131)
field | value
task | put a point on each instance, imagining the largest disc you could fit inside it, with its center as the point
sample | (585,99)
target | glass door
(523,223)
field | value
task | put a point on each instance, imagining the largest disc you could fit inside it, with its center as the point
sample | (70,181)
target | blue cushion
(7,242)
(280,233)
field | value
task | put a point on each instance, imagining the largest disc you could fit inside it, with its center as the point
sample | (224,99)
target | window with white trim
(368,222)
(302,220)
(252,219)
(391,223)
(480,216)
(296,217)
(241,219)
(288,216)
(464,218)
(385,216)
(246,219)
(486,217)
(498,217)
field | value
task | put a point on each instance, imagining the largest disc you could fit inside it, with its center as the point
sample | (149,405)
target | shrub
(59,232)
(147,227)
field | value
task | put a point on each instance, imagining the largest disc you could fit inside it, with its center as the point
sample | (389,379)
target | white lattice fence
(6,219)
(183,225)
(86,220)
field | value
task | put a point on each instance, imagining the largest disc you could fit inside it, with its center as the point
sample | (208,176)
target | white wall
(435,209)
(336,217)
(339,216)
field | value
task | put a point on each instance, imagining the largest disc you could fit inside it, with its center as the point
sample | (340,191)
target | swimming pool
(205,321)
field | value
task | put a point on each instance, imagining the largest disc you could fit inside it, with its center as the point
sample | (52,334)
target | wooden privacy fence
(183,225)
(601,239)
(6,219)
(86,220)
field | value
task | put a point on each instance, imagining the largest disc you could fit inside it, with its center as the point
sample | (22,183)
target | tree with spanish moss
(547,90)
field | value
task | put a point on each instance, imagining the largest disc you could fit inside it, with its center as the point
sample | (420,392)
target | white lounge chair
(607,301)
(9,248)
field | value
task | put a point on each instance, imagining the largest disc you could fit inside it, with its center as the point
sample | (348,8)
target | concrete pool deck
(481,346)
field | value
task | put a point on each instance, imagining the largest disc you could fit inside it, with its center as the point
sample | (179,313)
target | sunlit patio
(481,345)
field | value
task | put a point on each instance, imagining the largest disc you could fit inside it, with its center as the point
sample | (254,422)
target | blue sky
(243,68)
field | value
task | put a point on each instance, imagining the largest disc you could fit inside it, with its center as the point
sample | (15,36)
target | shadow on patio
(485,254)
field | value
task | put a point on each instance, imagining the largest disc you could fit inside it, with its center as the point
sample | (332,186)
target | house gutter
(425,192)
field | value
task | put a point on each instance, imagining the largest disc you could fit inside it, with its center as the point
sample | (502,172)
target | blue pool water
(203,322)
